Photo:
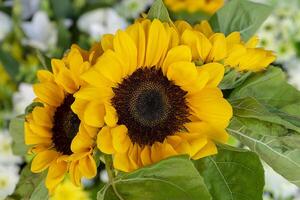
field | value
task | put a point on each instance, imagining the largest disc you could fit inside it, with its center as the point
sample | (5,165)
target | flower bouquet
(173,109)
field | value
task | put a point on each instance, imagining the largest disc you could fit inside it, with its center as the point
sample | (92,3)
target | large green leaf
(40,192)
(175,178)
(16,130)
(240,15)
(233,79)
(276,145)
(233,174)
(28,184)
(159,11)
(267,120)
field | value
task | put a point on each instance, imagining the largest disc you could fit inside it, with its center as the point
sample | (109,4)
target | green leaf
(10,65)
(233,174)
(276,145)
(64,37)
(159,11)
(267,120)
(29,183)
(30,108)
(175,178)
(16,130)
(233,79)
(40,192)
(240,15)
(62,9)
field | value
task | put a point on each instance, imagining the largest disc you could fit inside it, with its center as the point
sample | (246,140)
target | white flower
(8,180)
(5,24)
(279,186)
(23,98)
(100,21)
(293,71)
(104,176)
(6,154)
(29,7)
(41,33)
(132,8)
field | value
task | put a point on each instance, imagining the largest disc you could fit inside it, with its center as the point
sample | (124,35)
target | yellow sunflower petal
(120,139)
(209,149)
(216,73)
(137,33)
(107,42)
(122,162)
(43,160)
(45,76)
(49,93)
(176,54)
(210,107)
(157,43)
(87,166)
(182,73)
(205,28)
(219,135)
(32,138)
(146,156)
(56,174)
(111,117)
(81,143)
(126,49)
(110,67)
(78,107)
(74,172)
(104,141)
(94,114)
(43,116)
(219,48)
(253,42)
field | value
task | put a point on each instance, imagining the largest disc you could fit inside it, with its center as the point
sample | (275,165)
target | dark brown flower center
(150,106)
(66,126)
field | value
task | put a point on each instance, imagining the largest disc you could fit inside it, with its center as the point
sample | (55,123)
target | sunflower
(207,6)
(153,100)
(61,142)
(68,191)
(230,50)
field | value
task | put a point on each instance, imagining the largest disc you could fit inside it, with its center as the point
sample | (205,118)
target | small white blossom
(6,155)
(293,71)
(5,24)
(104,176)
(8,180)
(22,98)
(132,8)
(101,21)
(279,186)
(41,33)
(29,8)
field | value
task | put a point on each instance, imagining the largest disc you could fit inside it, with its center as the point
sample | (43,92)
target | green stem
(111,174)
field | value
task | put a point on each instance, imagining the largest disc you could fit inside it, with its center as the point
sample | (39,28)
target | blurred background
(33,31)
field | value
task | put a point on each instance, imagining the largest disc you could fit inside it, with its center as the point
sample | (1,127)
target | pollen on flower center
(151,106)
(66,126)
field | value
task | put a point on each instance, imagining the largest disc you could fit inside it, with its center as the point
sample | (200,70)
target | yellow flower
(207,6)
(230,50)
(154,101)
(61,141)
(68,191)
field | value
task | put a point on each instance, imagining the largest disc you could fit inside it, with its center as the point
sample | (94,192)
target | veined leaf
(233,174)
(16,130)
(240,15)
(276,145)
(267,120)
(159,11)
(176,178)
